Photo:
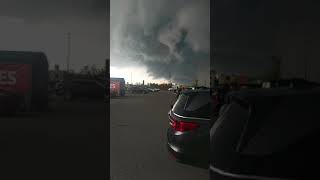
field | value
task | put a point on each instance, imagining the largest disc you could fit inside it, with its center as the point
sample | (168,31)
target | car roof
(195,91)
(251,94)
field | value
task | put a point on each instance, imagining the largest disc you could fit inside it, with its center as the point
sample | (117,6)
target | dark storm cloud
(168,37)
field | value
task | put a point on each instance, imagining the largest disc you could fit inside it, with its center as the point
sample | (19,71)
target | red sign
(15,77)
(115,87)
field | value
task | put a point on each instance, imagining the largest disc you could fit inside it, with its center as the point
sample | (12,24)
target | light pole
(68,49)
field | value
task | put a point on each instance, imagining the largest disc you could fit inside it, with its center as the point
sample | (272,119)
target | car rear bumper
(176,152)
(182,153)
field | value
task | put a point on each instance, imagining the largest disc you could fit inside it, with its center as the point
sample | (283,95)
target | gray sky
(264,28)
(42,25)
(153,39)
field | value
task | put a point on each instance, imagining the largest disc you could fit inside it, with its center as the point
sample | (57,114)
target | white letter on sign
(12,78)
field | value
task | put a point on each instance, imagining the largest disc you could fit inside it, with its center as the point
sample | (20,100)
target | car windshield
(195,104)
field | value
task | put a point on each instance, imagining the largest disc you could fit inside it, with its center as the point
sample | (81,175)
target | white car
(154,89)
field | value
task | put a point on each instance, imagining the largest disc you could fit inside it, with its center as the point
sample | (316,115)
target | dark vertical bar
(212,31)
(108,116)
(107,130)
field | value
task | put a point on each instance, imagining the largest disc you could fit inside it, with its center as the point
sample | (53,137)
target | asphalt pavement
(138,140)
(66,142)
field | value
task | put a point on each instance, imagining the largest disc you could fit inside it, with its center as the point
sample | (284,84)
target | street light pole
(68,50)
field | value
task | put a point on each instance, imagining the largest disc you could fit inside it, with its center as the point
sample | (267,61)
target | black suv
(189,126)
(267,134)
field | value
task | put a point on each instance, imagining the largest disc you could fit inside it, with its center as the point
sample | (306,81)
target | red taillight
(216,99)
(183,126)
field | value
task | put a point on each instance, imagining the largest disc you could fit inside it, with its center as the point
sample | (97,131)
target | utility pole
(196,82)
(131,78)
(305,56)
(68,49)
(305,63)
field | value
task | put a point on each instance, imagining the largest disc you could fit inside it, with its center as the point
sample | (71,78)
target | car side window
(292,118)
(178,107)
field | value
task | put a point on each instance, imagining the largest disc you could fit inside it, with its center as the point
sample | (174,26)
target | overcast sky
(160,40)
(42,25)
(259,29)
(150,38)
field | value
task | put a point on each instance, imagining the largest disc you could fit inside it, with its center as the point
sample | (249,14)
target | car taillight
(216,98)
(183,126)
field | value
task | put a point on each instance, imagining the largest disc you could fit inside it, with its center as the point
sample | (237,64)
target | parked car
(190,88)
(139,90)
(59,88)
(189,126)
(156,90)
(201,87)
(267,134)
(83,88)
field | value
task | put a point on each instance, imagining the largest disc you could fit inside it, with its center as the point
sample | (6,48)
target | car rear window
(180,103)
(195,104)
(281,122)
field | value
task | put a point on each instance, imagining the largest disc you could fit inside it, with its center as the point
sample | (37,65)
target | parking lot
(138,140)
(67,142)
